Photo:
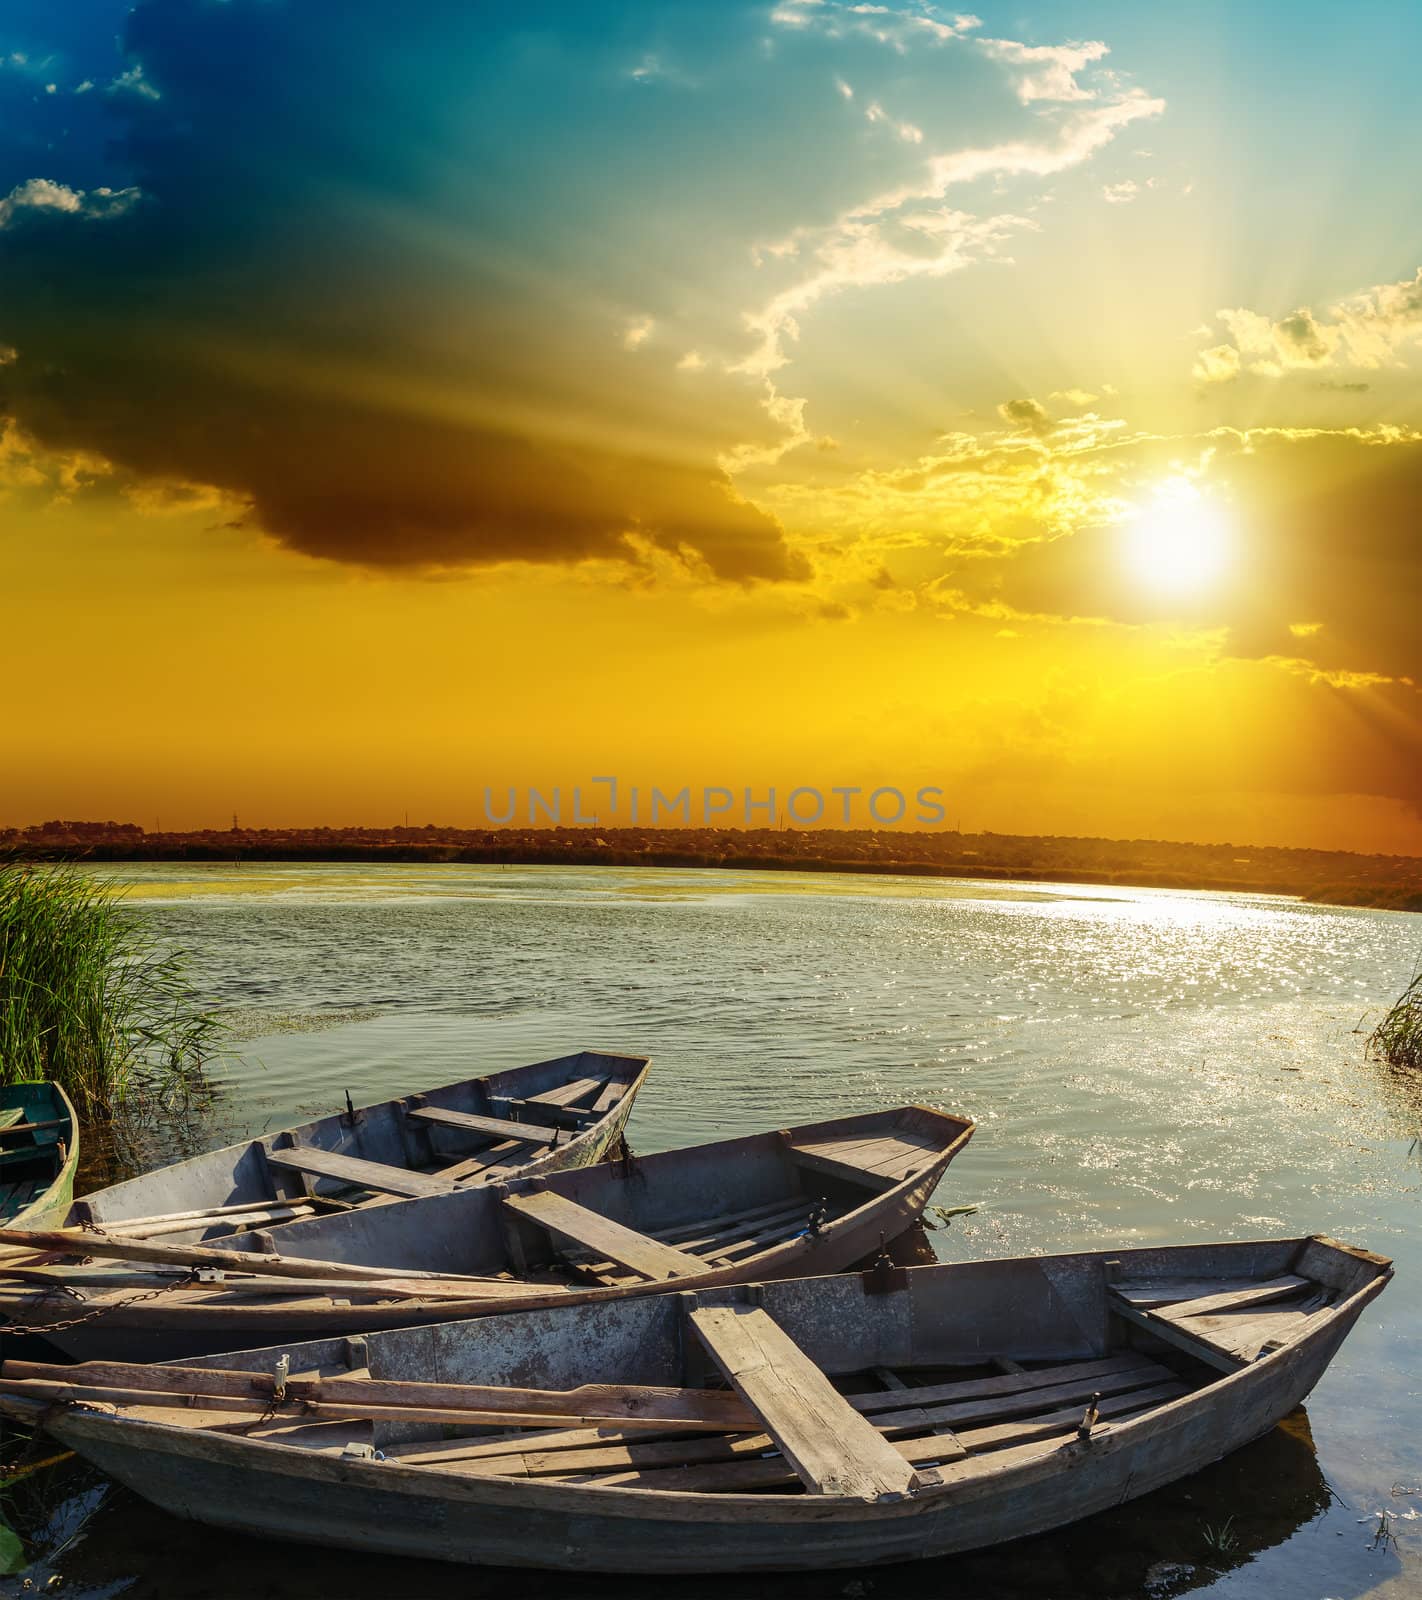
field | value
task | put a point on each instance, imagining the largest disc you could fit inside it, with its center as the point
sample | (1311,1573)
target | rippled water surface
(1143,1066)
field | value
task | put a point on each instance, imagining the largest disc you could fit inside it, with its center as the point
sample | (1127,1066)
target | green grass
(90,998)
(1397,1039)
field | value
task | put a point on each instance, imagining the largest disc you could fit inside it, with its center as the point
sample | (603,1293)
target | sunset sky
(399,399)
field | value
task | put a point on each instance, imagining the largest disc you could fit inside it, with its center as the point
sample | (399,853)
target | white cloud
(1375,328)
(906,231)
(652,68)
(1047,72)
(1219,364)
(1378,322)
(44,194)
(887,25)
(692,361)
(133,82)
(1120,194)
(856,251)
(637,332)
(905,130)
(844,88)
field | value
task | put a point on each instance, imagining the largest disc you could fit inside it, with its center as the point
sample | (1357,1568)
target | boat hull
(168,1329)
(50,1207)
(239,1173)
(382,1507)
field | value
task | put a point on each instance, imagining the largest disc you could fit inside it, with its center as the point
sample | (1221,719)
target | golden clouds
(1375,328)
(1030,520)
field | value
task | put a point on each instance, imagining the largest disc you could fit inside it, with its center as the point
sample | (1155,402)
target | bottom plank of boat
(826,1422)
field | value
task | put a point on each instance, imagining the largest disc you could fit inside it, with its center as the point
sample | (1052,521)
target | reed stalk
(1397,1039)
(90,998)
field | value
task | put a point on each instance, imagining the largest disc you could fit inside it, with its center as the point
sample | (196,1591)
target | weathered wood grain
(637,1252)
(377,1175)
(832,1448)
(1234,1299)
(493,1127)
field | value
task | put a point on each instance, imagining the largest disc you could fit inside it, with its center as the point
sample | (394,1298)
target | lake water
(1143,1066)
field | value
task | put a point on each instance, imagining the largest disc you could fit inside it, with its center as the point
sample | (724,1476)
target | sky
(403,401)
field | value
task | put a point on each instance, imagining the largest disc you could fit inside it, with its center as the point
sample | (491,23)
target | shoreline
(1386,896)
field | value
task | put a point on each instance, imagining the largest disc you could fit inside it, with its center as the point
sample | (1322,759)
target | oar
(591,1403)
(195,1255)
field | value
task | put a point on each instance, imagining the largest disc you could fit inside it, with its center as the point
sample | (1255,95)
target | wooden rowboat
(547,1117)
(39,1152)
(817,1198)
(824,1422)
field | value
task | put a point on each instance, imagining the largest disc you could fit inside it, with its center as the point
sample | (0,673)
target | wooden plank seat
(832,1448)
(892,1157)
(376,1175)
(822,1159)
(568,1095)
(547,1112)
(638,1252)
(1246,1332)
(612,1093)
(1150,1293)
(1256,1294)
(1228,1325)
(490,1127)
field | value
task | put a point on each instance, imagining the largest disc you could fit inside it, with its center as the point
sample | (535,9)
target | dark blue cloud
(373,282)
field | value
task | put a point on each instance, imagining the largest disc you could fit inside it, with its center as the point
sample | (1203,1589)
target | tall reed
(1397,1039)
(90,998)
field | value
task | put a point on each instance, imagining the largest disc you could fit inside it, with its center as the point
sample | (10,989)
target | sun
(1180,542)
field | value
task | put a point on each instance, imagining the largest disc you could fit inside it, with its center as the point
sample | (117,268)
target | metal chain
(43,1330)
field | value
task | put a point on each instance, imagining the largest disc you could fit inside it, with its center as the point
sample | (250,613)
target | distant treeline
(1324,876)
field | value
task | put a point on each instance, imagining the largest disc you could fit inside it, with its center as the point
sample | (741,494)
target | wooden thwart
(567,1094)
(494,1127)
(1148,1294)
(836,1167)
(612,1092)
(1163,1328)
(831,1447)
(1232,1299)
(376,1175)
(247,1261)
(637,1252)
(1244,1334)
